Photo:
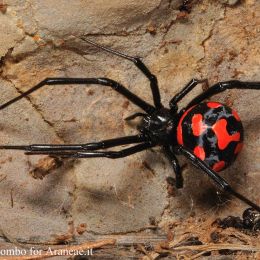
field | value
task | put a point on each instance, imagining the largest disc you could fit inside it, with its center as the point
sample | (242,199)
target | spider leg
(140,65)
(215,177)
(84,81)
(175,165)
(94,154)
(135,115)
(222,86)
(190,86)
(78,147)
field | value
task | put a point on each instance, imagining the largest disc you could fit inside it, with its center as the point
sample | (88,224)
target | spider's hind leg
(215,177)
(176,167)
(222,86)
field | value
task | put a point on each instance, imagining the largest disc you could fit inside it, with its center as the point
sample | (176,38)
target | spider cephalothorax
(160,126)
(209,134)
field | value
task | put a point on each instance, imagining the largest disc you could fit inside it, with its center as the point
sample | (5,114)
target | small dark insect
(250,220)
(186,6)
(209,134)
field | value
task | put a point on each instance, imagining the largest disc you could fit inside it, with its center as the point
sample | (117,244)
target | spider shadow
(52,190)
(136,176)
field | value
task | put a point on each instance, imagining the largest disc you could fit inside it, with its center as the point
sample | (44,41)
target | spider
(209,134)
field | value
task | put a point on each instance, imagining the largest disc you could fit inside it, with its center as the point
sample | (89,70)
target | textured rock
(39,40)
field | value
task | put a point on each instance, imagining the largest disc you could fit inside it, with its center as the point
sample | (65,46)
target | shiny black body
(158,126)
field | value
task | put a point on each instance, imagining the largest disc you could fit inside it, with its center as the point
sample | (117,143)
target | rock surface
(40,39)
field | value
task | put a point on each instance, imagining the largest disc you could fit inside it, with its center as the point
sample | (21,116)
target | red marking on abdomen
(235,114)
(238,148)
(218,166)
(222,134)
(198,127)
(213,104)
(179,128)
(199,152)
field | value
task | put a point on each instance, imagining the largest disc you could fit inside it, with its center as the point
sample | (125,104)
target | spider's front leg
(140,65)
(215,177)
(60,149)
(86,81)
(135,115)
(96,154)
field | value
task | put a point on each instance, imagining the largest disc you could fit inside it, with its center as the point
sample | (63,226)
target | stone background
(218,40)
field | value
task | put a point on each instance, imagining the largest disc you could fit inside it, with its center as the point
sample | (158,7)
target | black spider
(208,134)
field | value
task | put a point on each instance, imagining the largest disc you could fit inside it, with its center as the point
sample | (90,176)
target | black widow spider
(209,134)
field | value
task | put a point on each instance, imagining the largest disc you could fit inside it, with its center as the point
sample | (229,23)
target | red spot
(179,128)
(213,104)
(218,166)
(235,114)
(222,134)
(198,127)
(199,152)
(238,148)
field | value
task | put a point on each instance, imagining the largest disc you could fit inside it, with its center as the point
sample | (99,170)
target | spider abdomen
(213,132)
